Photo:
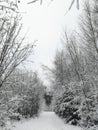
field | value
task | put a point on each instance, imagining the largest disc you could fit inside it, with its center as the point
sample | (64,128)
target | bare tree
(13,49)
(89,38)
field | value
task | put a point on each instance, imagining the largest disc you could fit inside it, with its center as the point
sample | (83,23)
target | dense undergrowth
(21,97)
(75,72)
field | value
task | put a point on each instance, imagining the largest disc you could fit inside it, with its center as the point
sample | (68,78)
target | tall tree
(13,49)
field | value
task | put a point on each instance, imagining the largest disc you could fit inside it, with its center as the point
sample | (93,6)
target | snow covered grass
(46,121)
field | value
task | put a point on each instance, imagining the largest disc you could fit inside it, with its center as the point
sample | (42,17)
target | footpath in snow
(46,121)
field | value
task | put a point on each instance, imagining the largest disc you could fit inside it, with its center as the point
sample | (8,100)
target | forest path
(46,121)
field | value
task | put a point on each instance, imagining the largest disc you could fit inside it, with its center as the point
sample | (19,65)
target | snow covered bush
(20,96)
(29,88)
(30,105)
(91,128)
(88,113)
(67,108)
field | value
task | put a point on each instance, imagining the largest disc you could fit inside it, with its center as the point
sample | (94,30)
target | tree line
(21,91)
(75,72)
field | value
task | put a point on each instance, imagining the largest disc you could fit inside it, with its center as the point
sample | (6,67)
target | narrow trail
(46,121)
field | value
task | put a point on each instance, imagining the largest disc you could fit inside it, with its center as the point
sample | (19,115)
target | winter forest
(70,100)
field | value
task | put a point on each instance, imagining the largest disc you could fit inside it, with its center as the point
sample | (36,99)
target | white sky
(46,23)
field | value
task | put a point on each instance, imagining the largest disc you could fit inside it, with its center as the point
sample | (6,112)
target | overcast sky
(46,24)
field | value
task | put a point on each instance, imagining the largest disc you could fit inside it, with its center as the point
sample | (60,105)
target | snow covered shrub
(20,96)
(29,106)
(2,120)
(67,107)
(87,110)
(91,128)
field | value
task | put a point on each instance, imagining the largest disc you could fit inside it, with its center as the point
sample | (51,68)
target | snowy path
(46,121)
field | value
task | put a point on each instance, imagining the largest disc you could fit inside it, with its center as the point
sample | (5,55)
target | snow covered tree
(88,37)
(13,49)
(83,64)
(21,95)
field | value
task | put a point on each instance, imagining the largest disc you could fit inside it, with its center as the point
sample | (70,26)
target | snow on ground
(46,121)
